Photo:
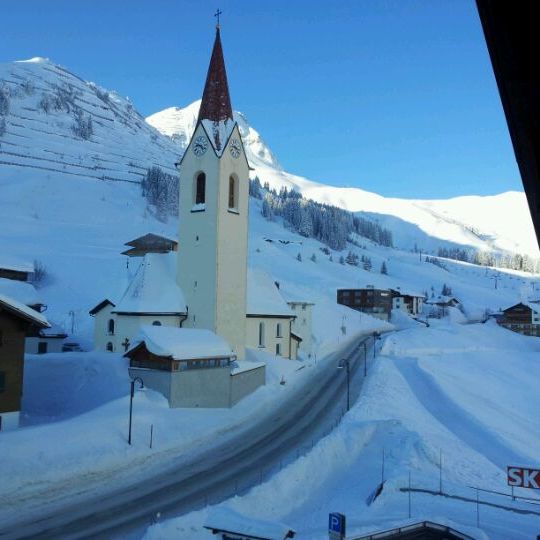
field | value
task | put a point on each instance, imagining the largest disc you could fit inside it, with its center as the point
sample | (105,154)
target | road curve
(215,473)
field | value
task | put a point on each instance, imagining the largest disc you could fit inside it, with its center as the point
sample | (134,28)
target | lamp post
(133,381)
(365,359)
(345,364)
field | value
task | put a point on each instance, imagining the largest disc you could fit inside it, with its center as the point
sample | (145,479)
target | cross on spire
(216,15)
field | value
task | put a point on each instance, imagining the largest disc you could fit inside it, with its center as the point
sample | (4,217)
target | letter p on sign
(523,477)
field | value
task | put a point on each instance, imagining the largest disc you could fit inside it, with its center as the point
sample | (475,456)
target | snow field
(417,404)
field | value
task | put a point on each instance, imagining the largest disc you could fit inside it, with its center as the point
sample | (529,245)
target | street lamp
(345,364)
(133,381)
(365,358)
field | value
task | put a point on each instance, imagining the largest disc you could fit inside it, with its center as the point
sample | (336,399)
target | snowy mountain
(54,121)
(471,221)
(71,158)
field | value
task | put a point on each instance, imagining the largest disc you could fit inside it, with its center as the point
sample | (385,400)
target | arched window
(110,347)
(261,334)
(156,323)
(200,189)
(110,327)
(233,193)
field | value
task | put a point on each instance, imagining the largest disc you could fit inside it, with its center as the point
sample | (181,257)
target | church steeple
(216,102)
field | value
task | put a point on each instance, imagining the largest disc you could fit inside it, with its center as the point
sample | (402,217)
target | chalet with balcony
(523,318)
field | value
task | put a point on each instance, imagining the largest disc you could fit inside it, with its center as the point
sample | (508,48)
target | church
(203,284)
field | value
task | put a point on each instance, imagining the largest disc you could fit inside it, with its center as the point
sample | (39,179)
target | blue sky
(392,96)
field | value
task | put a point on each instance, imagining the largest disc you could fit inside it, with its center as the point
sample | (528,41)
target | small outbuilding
(16,320)
(192,367)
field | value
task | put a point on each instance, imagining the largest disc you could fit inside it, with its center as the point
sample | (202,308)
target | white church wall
(302,325)
(270,338)
(125,327)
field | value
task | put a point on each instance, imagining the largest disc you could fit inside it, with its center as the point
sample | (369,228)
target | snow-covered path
(213,473)
(455,418)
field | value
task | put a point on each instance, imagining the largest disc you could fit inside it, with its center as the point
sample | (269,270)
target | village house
(16,320)
(523,318)
(150,243)
(440,304)
(374,302)
(407,301)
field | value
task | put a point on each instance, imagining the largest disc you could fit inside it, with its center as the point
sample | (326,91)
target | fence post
(409,494)
(440,472)
(477,508)
(382,468)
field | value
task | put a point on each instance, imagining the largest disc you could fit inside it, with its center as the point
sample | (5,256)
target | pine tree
(384,270)
(341,260)
(313,258)
(299,257)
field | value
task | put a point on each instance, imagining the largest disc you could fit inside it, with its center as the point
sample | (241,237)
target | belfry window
(110,327)
(200,189)
(233,193)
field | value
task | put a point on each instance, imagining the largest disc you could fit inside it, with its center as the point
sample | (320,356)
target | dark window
(110,347)
(2,381)
(42,347)
(278,349)
(200,193)
(110,327)
(157,323)
(278,330)
(261,334)
(232,192)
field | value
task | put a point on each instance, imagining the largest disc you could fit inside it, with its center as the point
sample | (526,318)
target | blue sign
(336,523)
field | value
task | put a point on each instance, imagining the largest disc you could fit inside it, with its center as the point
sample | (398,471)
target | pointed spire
(216,102)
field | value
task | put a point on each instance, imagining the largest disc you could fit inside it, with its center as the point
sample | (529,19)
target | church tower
(213,212)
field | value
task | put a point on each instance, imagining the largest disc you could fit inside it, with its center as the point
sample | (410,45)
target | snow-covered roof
(8,262)
(182,343)
(22,291)
(263,297)
(226,520)
(23,311)
(407,292)
(442,299)
(533,306)
(153,289)
(54,331)
(240,366)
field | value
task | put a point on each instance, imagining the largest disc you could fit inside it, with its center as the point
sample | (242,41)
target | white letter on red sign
(514,476)
(529,478)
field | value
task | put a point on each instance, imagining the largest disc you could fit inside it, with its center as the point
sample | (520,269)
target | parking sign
(336,526)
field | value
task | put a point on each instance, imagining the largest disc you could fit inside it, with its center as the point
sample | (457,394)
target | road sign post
(336,526)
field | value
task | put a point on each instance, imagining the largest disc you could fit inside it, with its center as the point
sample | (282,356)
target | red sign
(523,477)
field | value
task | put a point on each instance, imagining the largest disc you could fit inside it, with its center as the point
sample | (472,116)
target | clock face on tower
(200,145)
(235,148)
